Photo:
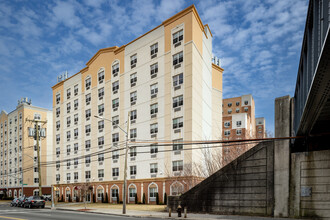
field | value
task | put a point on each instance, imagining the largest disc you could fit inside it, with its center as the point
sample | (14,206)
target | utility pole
(37,137)
(125,169)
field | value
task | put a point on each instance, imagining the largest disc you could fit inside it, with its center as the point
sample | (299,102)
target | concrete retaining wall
(244,186)
(310,184)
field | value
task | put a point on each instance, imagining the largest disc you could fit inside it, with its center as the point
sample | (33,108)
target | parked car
(47,197)
(34,201)
(14,202)
(21,201)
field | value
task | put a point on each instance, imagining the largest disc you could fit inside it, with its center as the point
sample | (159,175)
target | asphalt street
(17,213)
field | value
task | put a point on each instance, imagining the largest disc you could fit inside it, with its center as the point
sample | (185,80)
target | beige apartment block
(18,152)
(239,123)
(166,81)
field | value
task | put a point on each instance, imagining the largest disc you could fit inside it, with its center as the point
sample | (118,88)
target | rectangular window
(178,123)
(115,70)
(132,152)
(133,133)
(100,173)
(101,109)
(115,104)
(88,114)
(237,103)
(133,60)
(75,175)
(88,83)
(178,79)
(88,174)
(58,111)
(227,124)
(101,141)
(58,151)
(154,109)
(58,164)
(115,87)
(101,76)
(87,159)
(68,135)
(88,99)
(115,137)
(115,155)
(101,125)
(115,120)
(133,96)
(154,69)
(58,177)
(227,132)
(87,129)
(178,101)
(76,104)
(133,79)
(76,90)
(246,109)
(153,168)
(177,58)
(87,144)
(76,119)
(68,121)
(68,164)
(75,147)
(230,104)
(101,93)
(154,90)
(238,131)
(153,149)
(76,133)
(115,172)
(133,115)
(178,36)
(238,123)
(76,161)
(68,93)
(154,49)
(58,138)
(177,145)
(58,125)
(100,157)
(58,98)
(177,165)
(68,107)
(132,170)
(154,128)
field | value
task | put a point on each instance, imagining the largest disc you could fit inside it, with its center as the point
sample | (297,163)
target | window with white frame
(132,170)
(88,83)
(115,154)
(58,164)
(133,97)
(76,161)
(238,131)
(115,103)
(177,145)
(58,151)
(246,109)
(133,115)
(238,123)
(101,125)
(88,114)
(76,133)
(237,103)
(100,191)
(114,193)
(230,104)
(154,109)
(178,79)
(115,70)
(154,69)
(87,174)
(237,110)
(100,173)
(75,175)
(58,125)
(101,92)
(68,93)
(58,138)
(153,168)
(246,102)
(88,99)
(133,60)
(87,159)
(154,49)
(101,109)
(100,157)
(58,177)
(133,79)
(68,164)
(101,76)
(58,98)
(115,172)
(87,144)
(76,118)
(153,149)
(68,135)
(153,193)
(227,124)
(132,191)
(177,165)
(177,36)
(132,152)
(68,149)
(75,147)
(76,90)
(154,89)
(76,104)
(178,101)
(68,107)
(115,86)
(115,120)
(115,137)
(101,141)
(177,58)
(87,129)
(227,132)
(133,133)
(58,111)
(154,128)
(178,123)
(68,121)
(229,111)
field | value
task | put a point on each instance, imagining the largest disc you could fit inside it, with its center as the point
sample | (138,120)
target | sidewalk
(163,215)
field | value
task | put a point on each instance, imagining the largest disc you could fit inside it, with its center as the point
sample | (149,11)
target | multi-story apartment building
(239,122)
(18,152)
(166,81)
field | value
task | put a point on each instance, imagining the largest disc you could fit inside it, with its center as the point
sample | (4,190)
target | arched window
(9,193)
(15,193)
(100,193)
(132,192)
(67,194)
(177,188)
(36,192)
(115,68)
(114,193)
(153,191)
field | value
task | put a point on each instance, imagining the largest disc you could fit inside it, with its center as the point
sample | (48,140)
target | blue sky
(258,42)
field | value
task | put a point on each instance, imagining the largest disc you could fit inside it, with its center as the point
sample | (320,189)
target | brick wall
(245,186)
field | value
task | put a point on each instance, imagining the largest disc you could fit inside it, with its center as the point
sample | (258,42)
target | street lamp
(126,151)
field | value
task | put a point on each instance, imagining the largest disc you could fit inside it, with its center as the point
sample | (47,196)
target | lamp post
(126,151)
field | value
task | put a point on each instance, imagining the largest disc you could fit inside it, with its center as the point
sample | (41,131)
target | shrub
(93,198)
(157,199)
(117,199)
(144,198)
(165,199)
(136,198)
(106,198)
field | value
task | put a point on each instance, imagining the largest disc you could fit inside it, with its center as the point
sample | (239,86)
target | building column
(282,157)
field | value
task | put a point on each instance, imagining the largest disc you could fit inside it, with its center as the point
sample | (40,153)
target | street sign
(25,184)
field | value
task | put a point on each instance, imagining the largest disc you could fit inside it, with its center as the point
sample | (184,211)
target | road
(17,213)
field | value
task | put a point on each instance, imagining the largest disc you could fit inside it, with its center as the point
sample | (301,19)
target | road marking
(12,218)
